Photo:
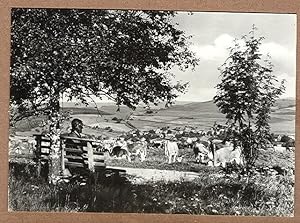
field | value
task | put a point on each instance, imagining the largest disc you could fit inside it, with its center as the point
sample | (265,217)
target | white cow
(200,151)
(226,154)
(171,150)
(138,149)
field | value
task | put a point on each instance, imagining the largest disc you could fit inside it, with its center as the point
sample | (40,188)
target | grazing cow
(138,149)
(226,154)
(120,150)
(171,150)
(157,143)
(200,151)
(108,145)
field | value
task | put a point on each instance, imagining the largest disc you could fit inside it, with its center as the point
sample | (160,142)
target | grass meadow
(215,192)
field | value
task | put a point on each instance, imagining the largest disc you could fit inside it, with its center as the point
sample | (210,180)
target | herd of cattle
(207,146)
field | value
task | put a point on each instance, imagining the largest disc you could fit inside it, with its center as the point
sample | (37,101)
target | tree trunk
(55,168)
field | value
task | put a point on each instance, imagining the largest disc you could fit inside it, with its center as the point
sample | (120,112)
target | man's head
(77,125)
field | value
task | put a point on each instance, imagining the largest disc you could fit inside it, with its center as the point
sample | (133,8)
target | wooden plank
(80,139)
(75,142)
(99,164)
(115,170)
(99,158)
(73,157)
(98,153)
(73,164)
(90,157)
(44,138)
(73,150)
(45,150)
(45,144)
(76,161)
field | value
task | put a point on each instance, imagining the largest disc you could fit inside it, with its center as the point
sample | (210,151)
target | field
(268,191)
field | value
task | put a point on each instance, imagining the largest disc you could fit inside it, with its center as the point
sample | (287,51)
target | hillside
(198,114)
(205,114)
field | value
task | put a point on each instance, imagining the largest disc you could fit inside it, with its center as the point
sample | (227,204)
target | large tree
(123,55)
(246,93)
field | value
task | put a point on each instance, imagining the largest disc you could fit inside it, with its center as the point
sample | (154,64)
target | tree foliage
(125,56)
(246,93)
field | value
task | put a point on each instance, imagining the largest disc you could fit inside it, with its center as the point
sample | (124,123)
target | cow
(138,149)
(108,145)
(171,150)
(120,152)
(189,142)
(157,143)
(120,149)
(226,154)
(201,151)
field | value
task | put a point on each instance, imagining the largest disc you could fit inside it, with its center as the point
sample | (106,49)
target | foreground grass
(213,193)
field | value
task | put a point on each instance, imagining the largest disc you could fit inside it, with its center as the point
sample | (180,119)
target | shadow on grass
(212,193)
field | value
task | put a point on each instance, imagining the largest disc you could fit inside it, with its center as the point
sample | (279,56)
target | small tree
(246,93)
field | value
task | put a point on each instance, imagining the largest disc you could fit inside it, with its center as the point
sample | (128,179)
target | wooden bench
(81,153)
(78,155)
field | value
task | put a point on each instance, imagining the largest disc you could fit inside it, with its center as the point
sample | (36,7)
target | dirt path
(141,175)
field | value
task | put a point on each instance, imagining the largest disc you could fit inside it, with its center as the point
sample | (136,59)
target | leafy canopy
(123,55)
(246,93)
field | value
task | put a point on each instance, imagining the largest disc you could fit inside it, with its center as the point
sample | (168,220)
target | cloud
(282,57)
(276,50)
(219,50)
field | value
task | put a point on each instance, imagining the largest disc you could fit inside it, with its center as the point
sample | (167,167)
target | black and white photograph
(150,111)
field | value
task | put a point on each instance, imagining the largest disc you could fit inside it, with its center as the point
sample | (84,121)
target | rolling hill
(198,114)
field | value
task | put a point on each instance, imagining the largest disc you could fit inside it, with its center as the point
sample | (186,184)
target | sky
(212,34)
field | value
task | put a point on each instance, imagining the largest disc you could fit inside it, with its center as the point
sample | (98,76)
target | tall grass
(213,193)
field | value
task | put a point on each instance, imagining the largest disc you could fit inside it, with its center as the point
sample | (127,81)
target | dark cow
(120,152)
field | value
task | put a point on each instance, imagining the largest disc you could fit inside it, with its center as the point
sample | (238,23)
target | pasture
(267,191)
